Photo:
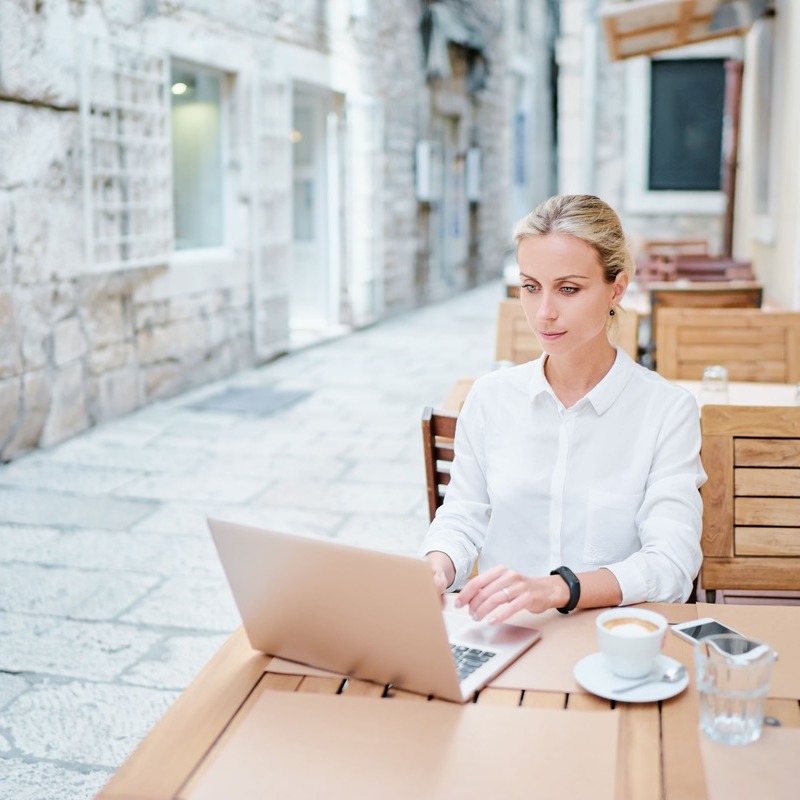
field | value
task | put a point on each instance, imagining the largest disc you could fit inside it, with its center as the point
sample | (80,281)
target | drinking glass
(733,675)
(714,388)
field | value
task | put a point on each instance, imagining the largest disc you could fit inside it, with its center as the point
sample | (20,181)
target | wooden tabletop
(658,749)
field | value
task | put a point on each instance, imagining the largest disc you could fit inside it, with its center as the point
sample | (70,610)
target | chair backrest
(438,432)
(517,343)
(671,249)
(751,502)
(752,344)
(705,295)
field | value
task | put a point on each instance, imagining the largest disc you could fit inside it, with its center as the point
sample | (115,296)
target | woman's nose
(547,309)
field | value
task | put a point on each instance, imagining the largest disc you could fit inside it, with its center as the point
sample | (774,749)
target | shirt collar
(603,395)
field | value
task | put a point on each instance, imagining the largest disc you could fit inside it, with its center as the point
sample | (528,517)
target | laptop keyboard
(468,659)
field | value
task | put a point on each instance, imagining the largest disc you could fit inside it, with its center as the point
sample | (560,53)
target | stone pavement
(111,594)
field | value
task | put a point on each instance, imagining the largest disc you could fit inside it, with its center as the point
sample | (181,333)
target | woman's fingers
(476,586)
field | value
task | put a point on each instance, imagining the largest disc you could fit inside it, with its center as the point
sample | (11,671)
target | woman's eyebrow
(558,280)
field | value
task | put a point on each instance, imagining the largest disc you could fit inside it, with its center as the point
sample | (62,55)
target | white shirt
(611,482)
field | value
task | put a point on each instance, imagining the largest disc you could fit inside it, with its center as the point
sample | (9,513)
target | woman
(576,476)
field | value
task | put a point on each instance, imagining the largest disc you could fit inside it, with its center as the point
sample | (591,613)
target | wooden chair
(517,343)
(655,263)
(753,344)
(438,432)
(751,502)
(706,295)
(668,250)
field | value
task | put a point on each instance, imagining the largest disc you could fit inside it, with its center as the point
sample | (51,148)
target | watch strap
(571,579)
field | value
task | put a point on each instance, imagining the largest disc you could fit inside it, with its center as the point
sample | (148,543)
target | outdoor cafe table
(658,750)
(740,393)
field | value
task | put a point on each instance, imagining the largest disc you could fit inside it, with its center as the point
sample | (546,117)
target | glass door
(310,285)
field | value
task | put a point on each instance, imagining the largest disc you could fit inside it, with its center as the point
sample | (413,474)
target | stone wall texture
(78,346)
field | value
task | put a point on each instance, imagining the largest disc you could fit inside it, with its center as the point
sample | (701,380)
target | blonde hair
(591,220)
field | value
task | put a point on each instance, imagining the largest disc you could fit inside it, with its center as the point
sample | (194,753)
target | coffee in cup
(630,626)
(630,640)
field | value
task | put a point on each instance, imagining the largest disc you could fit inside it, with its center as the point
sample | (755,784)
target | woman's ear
(620,285)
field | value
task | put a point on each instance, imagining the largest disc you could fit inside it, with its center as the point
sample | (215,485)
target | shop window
(687,101)
(674,114)
(197,134)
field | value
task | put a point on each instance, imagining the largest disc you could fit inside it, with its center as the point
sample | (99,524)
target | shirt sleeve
(459,528)
(671,515)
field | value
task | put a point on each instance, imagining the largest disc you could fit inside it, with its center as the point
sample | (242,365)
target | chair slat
(758,482)
(767,452)
(765,541)
(438,432)
(767,511)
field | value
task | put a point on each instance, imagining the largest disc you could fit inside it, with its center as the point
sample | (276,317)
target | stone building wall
(78,347)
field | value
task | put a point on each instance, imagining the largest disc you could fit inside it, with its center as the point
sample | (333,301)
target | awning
(641,27)
(442,24)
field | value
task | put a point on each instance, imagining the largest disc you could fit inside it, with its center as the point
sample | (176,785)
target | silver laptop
(359,612)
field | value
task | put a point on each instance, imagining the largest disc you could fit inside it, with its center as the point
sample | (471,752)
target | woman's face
(564,295)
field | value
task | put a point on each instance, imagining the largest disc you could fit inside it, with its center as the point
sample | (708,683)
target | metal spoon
(672,675)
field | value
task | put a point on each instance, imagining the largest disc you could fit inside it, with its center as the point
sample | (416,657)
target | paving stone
(25,542)
(148,458)
(70,593)
(397,472)
(48,646)
(213,488)
(53,508)
(42,781)
(95,724)
(202,603)
(397,534)
(11,686)
(176,662)
(383,498)
(177,518)
(114,550)
(42,472)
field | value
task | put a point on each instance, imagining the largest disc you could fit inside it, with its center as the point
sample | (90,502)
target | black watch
(571,579)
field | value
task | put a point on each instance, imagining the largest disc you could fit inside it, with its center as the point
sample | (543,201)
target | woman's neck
(573,376)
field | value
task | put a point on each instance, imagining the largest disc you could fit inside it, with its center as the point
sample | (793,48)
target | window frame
(110,71)
(638,197)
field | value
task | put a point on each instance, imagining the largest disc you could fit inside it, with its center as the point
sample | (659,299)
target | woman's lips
(551,336)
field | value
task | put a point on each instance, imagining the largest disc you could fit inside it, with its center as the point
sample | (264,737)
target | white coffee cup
(630,639)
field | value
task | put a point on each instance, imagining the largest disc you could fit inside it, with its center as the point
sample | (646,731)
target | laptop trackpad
(463,629)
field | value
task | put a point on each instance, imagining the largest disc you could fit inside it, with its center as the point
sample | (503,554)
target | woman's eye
(569,289)
(530,287)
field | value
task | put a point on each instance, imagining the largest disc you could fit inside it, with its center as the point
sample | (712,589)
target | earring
(611,312)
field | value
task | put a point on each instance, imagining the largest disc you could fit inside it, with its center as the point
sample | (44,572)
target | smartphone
(696,629)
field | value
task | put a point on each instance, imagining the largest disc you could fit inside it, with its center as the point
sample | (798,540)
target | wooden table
(740,393)
(659,752)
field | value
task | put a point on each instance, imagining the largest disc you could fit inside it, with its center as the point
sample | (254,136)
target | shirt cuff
(462,561)
(631,582)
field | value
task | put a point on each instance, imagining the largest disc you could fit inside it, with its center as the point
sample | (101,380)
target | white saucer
(593,674)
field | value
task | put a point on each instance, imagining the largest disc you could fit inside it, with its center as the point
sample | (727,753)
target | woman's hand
(501,592)
(444,573)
